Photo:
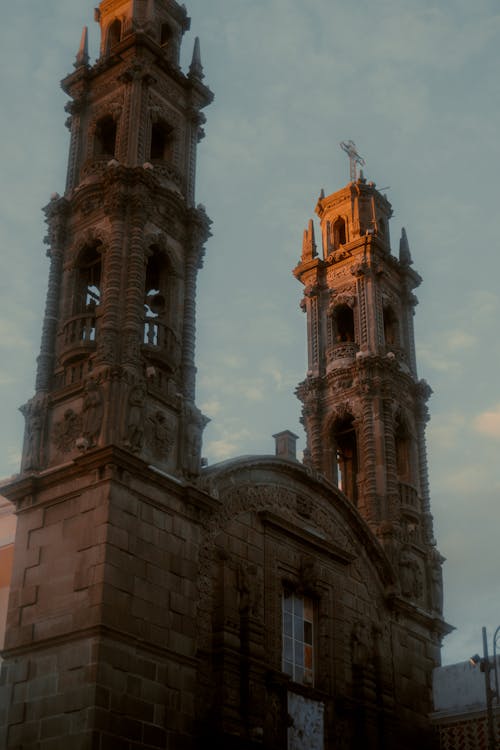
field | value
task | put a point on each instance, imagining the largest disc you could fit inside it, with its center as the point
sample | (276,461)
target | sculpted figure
(194,424)
(436,582)
(135,422)
(92,413)
(34,423)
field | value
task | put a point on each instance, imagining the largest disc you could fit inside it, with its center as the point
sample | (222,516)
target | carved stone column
(56,213)
(110,324)
(134,305)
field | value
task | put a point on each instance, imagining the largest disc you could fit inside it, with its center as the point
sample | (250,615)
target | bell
(156,303)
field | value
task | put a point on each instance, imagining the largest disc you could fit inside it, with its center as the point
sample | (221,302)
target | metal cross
(354,158)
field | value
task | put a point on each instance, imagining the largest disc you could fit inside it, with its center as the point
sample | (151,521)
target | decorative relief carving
(411,576)
(436,581)
(194,424)
(34,413)
(249,589)
(160,434)
(134,433)
(66,431)
(255,498)
(92,412)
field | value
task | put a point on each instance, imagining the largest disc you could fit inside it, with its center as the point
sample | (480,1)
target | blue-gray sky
(416,85)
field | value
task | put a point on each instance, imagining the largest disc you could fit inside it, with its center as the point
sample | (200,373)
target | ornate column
(392,488)
(110,321)
(368,492)
(56,213)
(423,392)
(199,224)
(134,303)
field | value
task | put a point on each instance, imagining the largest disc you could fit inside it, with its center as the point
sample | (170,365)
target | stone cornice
(305,537)
(22,490)
(98,632)
(421,617)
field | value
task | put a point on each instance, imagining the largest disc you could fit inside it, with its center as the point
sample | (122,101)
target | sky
(416,85)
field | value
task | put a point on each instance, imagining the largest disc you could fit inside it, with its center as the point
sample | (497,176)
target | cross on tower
(354,158)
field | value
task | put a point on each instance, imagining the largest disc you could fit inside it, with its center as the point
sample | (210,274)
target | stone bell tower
(101,617)
(364,409)
(126,241)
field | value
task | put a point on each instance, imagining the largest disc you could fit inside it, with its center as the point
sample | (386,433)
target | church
(263,602)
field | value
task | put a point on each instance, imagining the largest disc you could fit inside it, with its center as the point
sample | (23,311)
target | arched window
(88,294)
(159,299)
(339,233)
(161,142)
(345,463)
(105,137)
(343,319)
(382,227)
(391,327)
(165,34)
(402,441)
(114,34)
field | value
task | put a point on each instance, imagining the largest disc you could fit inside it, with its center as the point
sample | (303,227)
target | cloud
(458,340)
(488,423)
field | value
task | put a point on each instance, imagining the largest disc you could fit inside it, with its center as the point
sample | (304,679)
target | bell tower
(126,241)
(364,408)
(101,619)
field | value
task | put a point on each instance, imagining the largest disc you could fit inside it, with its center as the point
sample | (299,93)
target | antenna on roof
(354,158)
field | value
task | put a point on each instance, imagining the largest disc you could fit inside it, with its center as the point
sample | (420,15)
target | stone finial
(196,68)
(82,57)
(404,249)
(286,445)
(309,243)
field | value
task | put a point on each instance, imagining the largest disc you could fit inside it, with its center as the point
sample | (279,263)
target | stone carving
(92,413)
(194,424)
(308,575)
(134,434)
(436,578)
(304,506)
(161,434)
(34,412)
(411,577)
(249,589)
(66,431)
(255,497)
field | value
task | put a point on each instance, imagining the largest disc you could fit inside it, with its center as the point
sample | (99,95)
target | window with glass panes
(298,633)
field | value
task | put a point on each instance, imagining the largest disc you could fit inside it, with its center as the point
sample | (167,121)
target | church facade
(258,603)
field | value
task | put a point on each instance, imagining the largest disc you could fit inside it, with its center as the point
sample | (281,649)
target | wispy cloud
(488,422)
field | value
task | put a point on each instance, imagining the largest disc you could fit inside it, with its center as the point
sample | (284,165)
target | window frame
(298,636)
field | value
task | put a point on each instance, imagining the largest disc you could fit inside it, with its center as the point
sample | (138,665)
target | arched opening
(339,233)
(166,34)
(343,318)
(402,443)
(155,300)
(345,463)
(105,137)
(161,142)
(391,326)
(382,227)
(114,34)
(88,295)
